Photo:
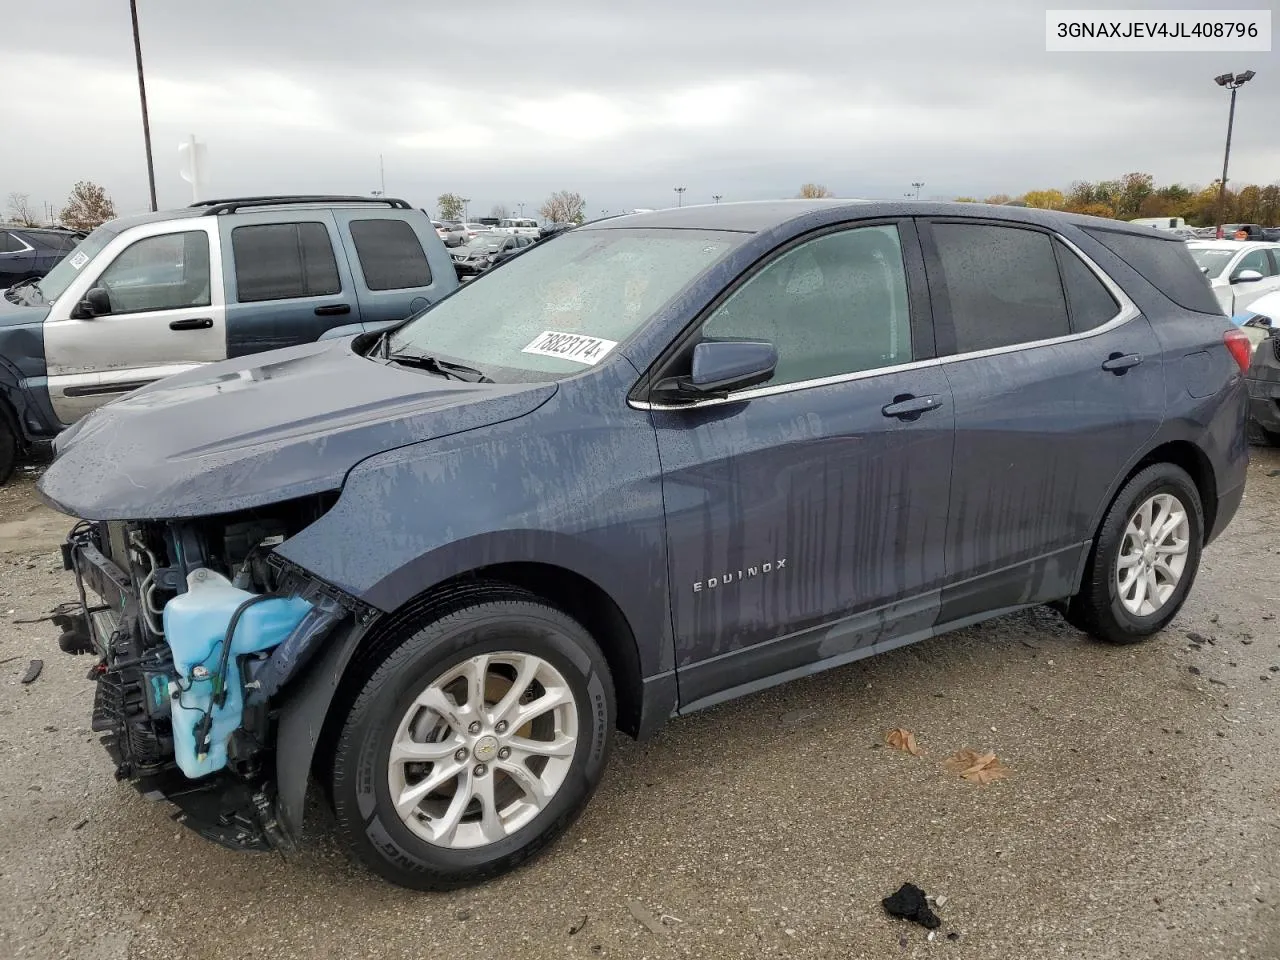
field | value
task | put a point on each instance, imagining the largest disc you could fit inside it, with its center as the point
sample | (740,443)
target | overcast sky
(508,100)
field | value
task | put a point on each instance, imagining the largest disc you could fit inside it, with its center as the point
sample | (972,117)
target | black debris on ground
(578,926)
(910,904)
(33,671)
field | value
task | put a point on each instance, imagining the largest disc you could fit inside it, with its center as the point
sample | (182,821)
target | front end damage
(199,630)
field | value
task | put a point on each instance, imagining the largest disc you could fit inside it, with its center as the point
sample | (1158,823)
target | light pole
(680,196)
(717,197)
(466,210)
(520,204)
(1232,83)
(917,184)
(142,95)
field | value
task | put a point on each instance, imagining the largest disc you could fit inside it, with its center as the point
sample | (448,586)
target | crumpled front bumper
(221,808)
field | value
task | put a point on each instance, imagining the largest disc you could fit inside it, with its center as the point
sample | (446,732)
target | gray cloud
(507,101)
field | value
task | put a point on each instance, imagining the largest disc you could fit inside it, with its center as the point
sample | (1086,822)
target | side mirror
(722,366)
(1240,276)
(96,303)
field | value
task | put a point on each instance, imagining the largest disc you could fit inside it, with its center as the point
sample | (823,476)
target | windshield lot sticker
(570,346)
(79,260)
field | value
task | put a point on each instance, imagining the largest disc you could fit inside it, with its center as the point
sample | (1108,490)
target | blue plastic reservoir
(195,624)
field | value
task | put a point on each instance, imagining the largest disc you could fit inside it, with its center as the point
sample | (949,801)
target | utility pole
(382,177)
(680,196)
(142,95)
(1232,83)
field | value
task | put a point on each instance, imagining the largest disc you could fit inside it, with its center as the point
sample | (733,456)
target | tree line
(1136,195)
(87,206)
(563,206)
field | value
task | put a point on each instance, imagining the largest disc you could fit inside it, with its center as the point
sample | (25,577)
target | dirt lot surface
(1141,817)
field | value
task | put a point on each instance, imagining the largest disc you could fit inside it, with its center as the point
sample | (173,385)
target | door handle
(333,310)
(907,406)
(1118,363)
(192,323)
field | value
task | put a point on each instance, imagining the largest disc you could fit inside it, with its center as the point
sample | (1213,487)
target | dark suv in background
(657,462)
(28,253)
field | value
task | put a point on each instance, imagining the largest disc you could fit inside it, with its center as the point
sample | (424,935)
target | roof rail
(231,205)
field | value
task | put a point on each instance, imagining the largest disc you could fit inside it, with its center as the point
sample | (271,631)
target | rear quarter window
(390,255)
(1165,264)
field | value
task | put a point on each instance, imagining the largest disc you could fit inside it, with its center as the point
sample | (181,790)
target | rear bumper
(1264,403)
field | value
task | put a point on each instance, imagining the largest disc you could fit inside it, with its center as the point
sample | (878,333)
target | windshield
(1211,262)
(564,304)
(56,281)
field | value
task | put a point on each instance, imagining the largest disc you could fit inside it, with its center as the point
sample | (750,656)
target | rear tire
(431,788)
(1132,560)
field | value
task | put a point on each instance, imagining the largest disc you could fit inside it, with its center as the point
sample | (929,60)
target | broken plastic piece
(909,903)
(33,671)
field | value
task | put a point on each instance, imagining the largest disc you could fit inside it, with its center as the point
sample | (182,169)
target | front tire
(8,448)
(1144,558)
(475,744)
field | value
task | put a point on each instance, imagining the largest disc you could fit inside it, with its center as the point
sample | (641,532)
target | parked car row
(1238,271)
(148,296)
(28,253)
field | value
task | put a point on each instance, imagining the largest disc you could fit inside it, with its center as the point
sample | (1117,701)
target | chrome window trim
(26,247)
(1128,311)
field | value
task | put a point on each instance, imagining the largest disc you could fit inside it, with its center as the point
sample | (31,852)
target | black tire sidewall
(362,795)
(8,447)
(1163,478)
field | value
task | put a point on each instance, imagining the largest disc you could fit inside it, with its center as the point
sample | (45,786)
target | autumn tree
(20,210)
(966,199)
(499,211)
(998,198)
(564,206)
(814,191)
(87,207)
(449,206)
(1132,190)
(1097,209)
(1044,199)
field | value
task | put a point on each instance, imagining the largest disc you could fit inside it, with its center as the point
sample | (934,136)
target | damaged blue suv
(658,462)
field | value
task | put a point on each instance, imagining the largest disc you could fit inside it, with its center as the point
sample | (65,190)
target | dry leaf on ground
(977,767)
(903,740)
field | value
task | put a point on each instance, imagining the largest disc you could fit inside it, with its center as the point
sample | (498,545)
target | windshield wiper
(444,368)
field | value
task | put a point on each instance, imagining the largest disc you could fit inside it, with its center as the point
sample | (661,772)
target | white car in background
(518,226)
(1239,272)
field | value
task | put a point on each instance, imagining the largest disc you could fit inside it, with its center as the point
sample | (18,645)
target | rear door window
(1001,284)
(9,243)
(283,261)
(391,257)
(1089,301)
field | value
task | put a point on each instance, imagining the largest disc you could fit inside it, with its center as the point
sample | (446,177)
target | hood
(260,430)
(16,314)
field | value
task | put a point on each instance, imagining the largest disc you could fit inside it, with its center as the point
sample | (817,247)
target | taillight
(1241,348)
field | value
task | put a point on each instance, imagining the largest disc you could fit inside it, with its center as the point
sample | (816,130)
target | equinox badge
(725,579)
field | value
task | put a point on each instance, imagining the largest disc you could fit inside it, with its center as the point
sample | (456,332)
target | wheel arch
(316,703)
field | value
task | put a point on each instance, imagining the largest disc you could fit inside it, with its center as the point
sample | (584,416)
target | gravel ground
(1140,819)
